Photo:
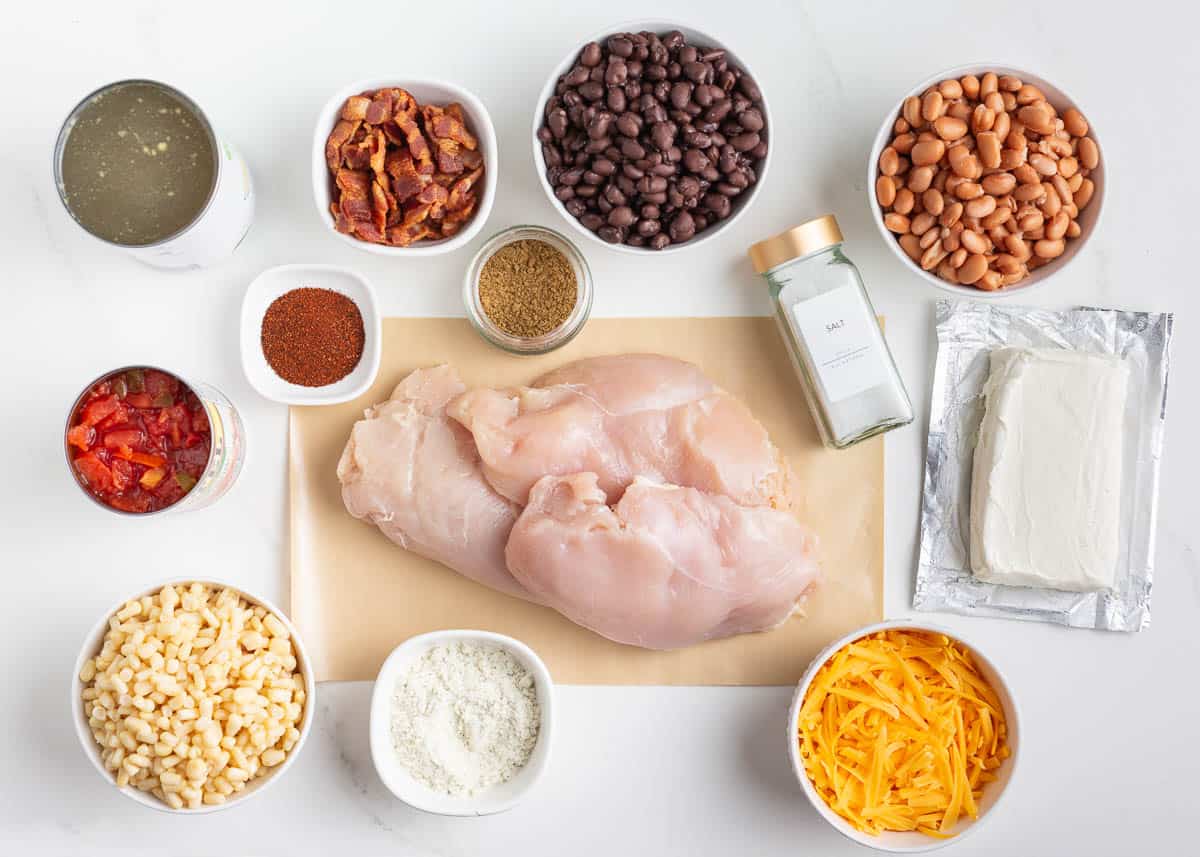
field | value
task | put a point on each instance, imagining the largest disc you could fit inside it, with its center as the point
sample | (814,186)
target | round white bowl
(1087,220)
(905,842)
(91,646)
(275,282)
(479,123)
(694,37)
(401,783)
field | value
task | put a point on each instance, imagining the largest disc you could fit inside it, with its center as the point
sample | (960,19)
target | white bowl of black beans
(651,137)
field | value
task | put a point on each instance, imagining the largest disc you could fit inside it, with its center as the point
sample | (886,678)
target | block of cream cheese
(1046,483)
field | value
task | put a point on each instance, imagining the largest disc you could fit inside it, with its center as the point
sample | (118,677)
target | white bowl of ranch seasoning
(461,722)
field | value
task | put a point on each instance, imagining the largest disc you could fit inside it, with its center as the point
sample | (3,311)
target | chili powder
(312,337)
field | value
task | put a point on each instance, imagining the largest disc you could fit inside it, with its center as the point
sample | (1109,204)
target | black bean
(661,93)
(571,98)
(650,212)
(587,191)
(564,192)
(616,100)
(597,74)
(727,188)
(660,241)
(673,40)
(551,155)
(694,160)
(681,94)
(595,147)
(598,126)
(576,207)
(662,135)
(745,142)
(655,72)
(633,68)
(682,226)
(713,55)
(697,139)
(738,180)
(592,90)
(696,71)
(592,221)
(704,95)
(604,167)
(700,222)
(635,241)
(718,111)
(760,151)
(727,163)
(687,54)
(620,46)
(557,123)
(593,177)
(710,174)
(632,90)
(726,80)
(622,215)
(652,184)
(674,71)
(648,228)
(617,73)
(571,177)
(656,113)
(633,172)
(613,194)
(629,124)
(590,55)
(654,198)
(741,104)
(675,199)
(626,184)
(689,186)
(717,203)
(632,149)
(611,234)
(576,76)
(749,88)
(664,169)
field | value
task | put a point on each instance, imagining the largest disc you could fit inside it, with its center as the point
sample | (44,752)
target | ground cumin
(313,337)
(527,288)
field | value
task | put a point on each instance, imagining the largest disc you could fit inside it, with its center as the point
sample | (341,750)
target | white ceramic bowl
(694,37)
(901,842)
(438,92)
(1088,218)
(274,282)
(401,783)
(91,646)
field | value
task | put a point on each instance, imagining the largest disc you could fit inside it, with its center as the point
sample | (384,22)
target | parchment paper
(356,595)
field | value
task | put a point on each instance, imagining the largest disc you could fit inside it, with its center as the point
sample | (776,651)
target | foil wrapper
(967,332)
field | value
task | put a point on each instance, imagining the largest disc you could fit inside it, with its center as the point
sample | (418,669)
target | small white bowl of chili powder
(310,334)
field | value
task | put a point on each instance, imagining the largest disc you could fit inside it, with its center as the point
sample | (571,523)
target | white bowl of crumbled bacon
(404,167)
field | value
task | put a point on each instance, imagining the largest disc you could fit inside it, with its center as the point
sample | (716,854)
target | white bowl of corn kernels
(192,696)
(951,751)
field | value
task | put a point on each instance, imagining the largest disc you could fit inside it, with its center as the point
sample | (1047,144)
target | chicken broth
(137,165)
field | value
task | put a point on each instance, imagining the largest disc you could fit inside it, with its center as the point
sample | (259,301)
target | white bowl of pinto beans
(986,180)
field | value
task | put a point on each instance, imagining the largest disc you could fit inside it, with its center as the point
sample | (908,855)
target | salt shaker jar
(832,334)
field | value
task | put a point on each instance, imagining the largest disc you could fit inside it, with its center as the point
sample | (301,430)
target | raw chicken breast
(621,417)
(415,474)
(665,567)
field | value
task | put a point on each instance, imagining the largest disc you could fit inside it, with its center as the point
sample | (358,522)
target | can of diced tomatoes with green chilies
(141,441)
(138,165)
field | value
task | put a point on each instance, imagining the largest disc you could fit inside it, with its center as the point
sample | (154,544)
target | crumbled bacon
(402,172)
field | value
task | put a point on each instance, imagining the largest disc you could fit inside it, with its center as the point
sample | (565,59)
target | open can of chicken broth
(142,441)
(138,165)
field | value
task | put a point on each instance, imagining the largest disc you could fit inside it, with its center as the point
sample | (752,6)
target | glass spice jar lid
(541,343)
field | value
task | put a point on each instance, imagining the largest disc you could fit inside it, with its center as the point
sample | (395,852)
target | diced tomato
(94,472)
(97,409)
(119,417)
(158,383)
(82,437)
(122,474)
(145,459)
(124,437)
(133,501)
(139,400)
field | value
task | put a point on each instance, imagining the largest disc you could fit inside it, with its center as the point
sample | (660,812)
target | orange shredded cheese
(900,731)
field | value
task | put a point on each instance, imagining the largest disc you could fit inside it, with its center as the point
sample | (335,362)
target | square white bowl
(402,784)
(91,646)
(694,37)
(906,842)
(1087,220)
(275,282)
(479,123)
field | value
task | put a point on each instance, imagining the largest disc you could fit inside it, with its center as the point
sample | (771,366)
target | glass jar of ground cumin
(528,290)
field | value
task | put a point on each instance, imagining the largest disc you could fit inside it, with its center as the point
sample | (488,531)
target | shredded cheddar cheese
(899,731)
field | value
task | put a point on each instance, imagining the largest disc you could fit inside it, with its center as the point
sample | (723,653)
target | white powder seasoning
(465,717)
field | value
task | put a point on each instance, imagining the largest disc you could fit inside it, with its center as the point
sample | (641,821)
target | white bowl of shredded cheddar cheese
(903,736)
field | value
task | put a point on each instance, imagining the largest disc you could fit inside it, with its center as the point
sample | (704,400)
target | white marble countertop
(1109,756)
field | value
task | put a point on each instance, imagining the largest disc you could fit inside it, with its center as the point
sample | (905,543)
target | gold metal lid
(796,242)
